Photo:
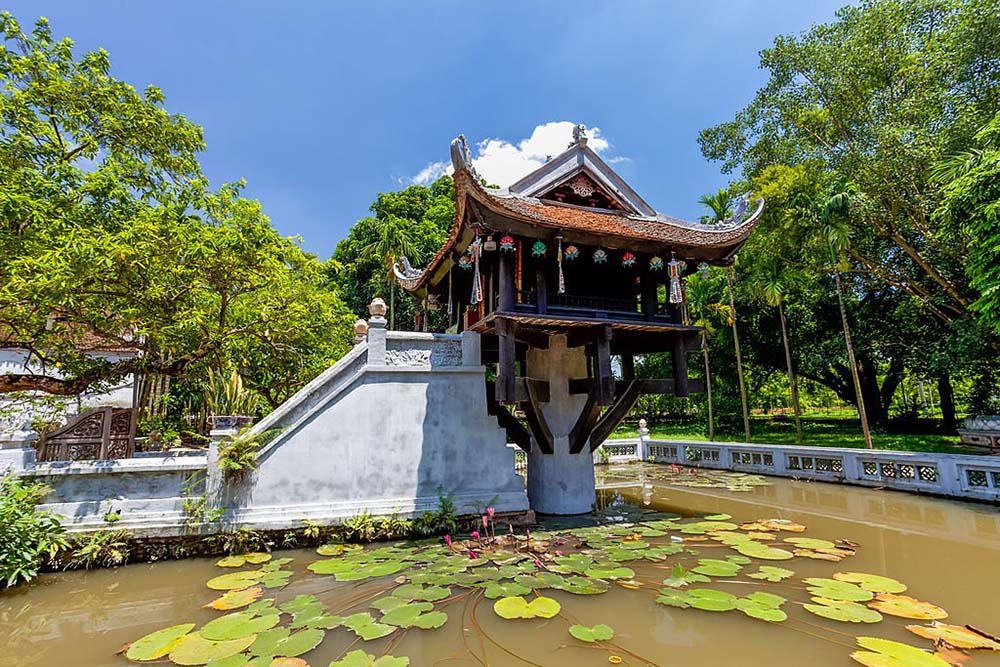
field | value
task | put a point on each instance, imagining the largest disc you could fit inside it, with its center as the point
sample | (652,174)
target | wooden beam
(613,417)
(532,337)
(584,424)
(680,363)
(505,392)
(660,386)
(521,390)
(515,429)
(536,421)
(628,366)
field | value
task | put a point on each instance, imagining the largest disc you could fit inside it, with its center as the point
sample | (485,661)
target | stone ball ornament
(360,328)
(377,307)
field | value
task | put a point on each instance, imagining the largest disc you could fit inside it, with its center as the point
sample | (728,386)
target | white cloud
(502,162)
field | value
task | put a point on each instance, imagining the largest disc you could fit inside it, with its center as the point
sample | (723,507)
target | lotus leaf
(157,644)
(388,603)
(761,612)
(810,543)
(275,579)
(194,649)
(871,582)
(845,612)
(711,567)
(364,626)
(673,598)
(681,577)
(496,590)
(774,525)
(413,615)
(837,590)
(287,645)
(416,592)
(362,659)
(886,653)
(288,662)
(518,607)
(234,580)
(582,586)
(906,607)
(702,527)
(238,660)
(300,603)
(762,551)
(600,572)
(336,549)
(329,566)
(236,625)
(597,633)
(262,606)
(236,599)
(711,600)
(771,573)
(955,635)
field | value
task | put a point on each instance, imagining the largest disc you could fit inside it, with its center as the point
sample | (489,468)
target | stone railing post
(471,349)
(376,332)
(17,450)
(642,449)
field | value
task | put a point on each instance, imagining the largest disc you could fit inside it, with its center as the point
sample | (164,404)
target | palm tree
(706,309)
(392,240)
(718,204)
(774,286)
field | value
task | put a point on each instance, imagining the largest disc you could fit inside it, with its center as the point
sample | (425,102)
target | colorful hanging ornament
(674,269)
(628,260)
(465,262)
(559,261)
(704,269)
(451,290)
(655,263)
(507,243)
(538,249)
(476,249)
(600,256)
(571,252)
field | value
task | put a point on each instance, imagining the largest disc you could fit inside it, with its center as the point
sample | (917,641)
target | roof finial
(579,135)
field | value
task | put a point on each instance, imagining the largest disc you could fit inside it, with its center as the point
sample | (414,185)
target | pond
(683,568)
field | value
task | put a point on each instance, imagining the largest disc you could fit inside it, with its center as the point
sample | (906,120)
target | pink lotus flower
(538,563)
(447,540)
(475,535)
(473,554)
(490,512)
(485,524)
(559,553)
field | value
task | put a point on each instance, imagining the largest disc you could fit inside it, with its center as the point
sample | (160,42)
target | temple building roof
(578,196)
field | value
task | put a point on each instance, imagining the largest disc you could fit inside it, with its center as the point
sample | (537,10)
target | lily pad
(906,607)
(281,642)
(762,551)
(497,589)
(415,614)
(680,577)
(763,606)
(157,644)
(771,573)
(840,610)
(599,572)
(886,653)
(417,592)
(234,580)
(711,600)
(364,626)
(337,549)
(956,636)
(871,582)
(597,633)
(194,649)
(255,558)
(711,567)
(837,590)
(237,625)
(362,659)
(518,607)
(702,527)
(236,599)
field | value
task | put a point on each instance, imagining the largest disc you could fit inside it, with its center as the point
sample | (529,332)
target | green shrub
(28,537)
(105,548)
(238,456)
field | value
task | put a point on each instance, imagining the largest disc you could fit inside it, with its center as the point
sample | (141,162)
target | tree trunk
(862,415)
(739,357)
(791,376)
(708,386)
(392,306)
(947,399)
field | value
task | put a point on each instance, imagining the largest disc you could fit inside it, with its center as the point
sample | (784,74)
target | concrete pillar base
(560,483)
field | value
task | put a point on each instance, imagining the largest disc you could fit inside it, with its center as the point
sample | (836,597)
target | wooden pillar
(680,367)
(605,379)
(648,289)
(505,392)
(628,367)
(506,283)
(541,289)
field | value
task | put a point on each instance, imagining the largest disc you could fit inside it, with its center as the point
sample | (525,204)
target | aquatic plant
(104,548)
(28,536)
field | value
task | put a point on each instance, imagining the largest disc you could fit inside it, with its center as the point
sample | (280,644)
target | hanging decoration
(655,263)
(704,269)
(451,307)
(628,260)
(490,245)
(600,256)
(476,249)
(559,261)
(674,270)
(520,255)
(465,262)
(538,249)
(507,243)
(571,252)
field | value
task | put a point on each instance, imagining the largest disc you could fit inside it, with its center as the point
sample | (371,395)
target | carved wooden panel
(104,433)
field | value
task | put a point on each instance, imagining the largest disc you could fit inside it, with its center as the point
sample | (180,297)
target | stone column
(560,483)
(17,449)
(376,332)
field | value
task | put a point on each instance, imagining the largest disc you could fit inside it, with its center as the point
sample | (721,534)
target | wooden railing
(101,434)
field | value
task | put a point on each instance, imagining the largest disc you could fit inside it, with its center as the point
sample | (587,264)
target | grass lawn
(816,433)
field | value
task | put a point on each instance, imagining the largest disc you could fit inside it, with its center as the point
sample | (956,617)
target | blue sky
(321,105)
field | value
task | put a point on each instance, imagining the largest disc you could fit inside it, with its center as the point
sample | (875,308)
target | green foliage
(240,541)
(225,394)
(237,457)
(443,520)
(104,548)
(108,222)
(28,537)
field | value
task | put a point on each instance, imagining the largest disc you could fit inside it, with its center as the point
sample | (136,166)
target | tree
(108,229)
(704,299)
(718,204)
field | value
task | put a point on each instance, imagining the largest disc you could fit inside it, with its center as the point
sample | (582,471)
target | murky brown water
(947,552)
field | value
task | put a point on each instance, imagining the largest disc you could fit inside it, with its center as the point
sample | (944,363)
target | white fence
(955,475)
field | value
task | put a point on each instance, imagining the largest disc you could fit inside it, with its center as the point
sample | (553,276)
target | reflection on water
(948,552)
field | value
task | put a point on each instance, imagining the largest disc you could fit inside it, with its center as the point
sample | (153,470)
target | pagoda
(560,273)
